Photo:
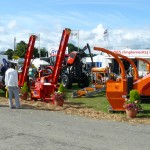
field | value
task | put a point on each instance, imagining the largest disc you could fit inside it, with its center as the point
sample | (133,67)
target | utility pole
(14,43)
(39,47)
(78,40)
(76,35)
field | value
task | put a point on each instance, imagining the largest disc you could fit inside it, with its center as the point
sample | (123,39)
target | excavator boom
(60,55)
(45,86)
(29,54)
(146,61)
(136,76)
(116,90)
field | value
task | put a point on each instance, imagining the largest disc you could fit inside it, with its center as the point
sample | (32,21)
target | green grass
(99,102)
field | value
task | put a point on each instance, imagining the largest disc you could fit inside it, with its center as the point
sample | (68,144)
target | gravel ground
(70,108)
(30,128)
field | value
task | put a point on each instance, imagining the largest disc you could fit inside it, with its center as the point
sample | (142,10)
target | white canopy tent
(38,62)
(99,60)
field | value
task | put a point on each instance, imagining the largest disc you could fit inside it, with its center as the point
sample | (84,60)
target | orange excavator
(134,77)
(44,86)
(146,61)
(118,90)
(143,84)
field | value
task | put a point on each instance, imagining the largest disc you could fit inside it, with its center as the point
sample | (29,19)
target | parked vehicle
(73,70)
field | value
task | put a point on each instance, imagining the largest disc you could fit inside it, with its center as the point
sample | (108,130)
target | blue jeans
(13,90)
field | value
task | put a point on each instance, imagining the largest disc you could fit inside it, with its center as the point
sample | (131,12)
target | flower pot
(59,102)
(24,96)
(58,98)
(131,113)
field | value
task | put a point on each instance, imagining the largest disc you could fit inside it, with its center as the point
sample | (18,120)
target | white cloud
(50,30)
(12,24)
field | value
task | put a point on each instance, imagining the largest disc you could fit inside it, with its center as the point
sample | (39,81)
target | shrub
(134,101)
(25,88)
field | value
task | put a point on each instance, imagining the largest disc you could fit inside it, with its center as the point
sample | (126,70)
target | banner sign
(132,53)
(54,51)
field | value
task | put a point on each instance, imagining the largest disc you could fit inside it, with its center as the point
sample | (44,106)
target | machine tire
(84,82)
(66,81)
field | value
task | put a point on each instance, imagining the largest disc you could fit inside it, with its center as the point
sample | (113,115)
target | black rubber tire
(84,82)
(81,85)
(66,81)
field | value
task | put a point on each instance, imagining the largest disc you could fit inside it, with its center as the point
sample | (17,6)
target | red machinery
(47,85)
(72,69)
(29,54)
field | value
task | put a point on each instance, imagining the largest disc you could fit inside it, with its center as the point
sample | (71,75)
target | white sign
(54,51)
(133,53)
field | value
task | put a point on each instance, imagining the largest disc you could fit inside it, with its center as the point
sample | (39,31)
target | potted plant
(59,96)
(24,91)
(132,104)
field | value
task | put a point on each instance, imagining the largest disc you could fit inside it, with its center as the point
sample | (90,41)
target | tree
(44,52)
(71,48)
(21,49)
(10,53)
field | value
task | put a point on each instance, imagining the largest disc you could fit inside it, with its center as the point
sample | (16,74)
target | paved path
(28,129)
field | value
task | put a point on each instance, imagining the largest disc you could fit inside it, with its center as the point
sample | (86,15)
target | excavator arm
(29,54)
(143,84)
(45,86)
(146,61)
(116,90)
(136,76)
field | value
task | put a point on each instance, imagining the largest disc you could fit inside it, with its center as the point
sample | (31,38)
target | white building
(99,61)
(105,59)
(141,53)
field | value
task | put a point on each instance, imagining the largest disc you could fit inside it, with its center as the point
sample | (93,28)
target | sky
(126,21)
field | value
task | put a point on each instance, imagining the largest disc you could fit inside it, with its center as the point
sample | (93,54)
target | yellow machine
(98,83)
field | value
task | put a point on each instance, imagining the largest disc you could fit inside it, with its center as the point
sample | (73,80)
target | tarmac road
(28,129)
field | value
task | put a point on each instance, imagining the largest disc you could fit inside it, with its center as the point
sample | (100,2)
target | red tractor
(72,69)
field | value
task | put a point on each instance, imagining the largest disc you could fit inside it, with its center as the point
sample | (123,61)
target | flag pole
(78,40)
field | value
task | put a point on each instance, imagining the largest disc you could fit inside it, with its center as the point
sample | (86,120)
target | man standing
(11,82)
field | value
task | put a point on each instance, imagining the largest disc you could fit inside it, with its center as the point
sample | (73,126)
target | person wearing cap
(11,82)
